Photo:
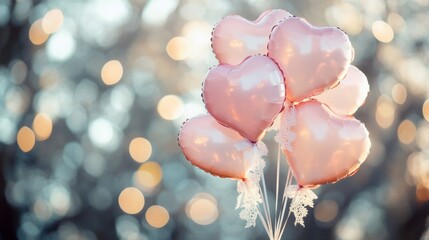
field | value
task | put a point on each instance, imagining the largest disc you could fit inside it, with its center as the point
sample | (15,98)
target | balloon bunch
(279,73)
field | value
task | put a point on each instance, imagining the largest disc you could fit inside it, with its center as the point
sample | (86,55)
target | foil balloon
(246,97)
(349,95)
(312,59)
(235,38)
(328,147)
(214,148)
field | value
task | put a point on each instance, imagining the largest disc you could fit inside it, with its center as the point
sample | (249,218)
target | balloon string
(284,226)
(277,192)
(277,181)
(267,219)
(265,202)
(279,221)
(288,215)
(280,224)
(265,225)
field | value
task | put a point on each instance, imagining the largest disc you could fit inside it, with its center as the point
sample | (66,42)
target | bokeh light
(156,12)
(36,34)
(422,193)
(149,175)
(406,131)
(61,46)
(19,71)
(396,21)
(197,34)
(59,199)
(178,48)
(425,110)
(399,93)
(42,126)
(104,134)
(52,21)
(140,149)
(385,112)
(112,72)
(345,16)
(25,139)
(131,200)
(202,209)
(157,216)
(170,107)
(382,31)
(42,210)
(326,211)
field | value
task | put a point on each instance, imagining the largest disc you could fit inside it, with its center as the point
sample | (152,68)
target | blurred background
(93,93)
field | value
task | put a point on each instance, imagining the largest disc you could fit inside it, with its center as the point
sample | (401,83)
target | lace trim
(301,199)
(249,190)
(285,136)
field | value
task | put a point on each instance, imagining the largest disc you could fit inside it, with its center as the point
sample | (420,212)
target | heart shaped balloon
(349,95)
(246,97)
(214,148)
(312,59)
(235,38)
(328,147)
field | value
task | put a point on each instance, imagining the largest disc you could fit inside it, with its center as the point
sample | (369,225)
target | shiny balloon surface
(312,59)
(349,95)
(235,38)
(214,148)
(246,97)
(328,147)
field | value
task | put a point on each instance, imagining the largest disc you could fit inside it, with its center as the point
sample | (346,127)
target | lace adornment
(285,136)
(249,191)
(301,199)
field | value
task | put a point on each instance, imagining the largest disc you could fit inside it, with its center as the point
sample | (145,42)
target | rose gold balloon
(235,38)
(246,97)
(328,147)
(312,59)
(213,147)
(349,95)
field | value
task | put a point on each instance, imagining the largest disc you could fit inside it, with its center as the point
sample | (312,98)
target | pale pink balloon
(349,95)
(235,38)
(328,147)
(312,59)
(213,147)
(246,97)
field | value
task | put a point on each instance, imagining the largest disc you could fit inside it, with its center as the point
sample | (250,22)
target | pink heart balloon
(349,95)
(328,147)
(246,97)
(235,38)
(312,59)
(213,147)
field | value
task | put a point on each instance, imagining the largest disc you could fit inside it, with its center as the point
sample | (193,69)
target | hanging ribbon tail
(301,199)
(285,136)
(249,191)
